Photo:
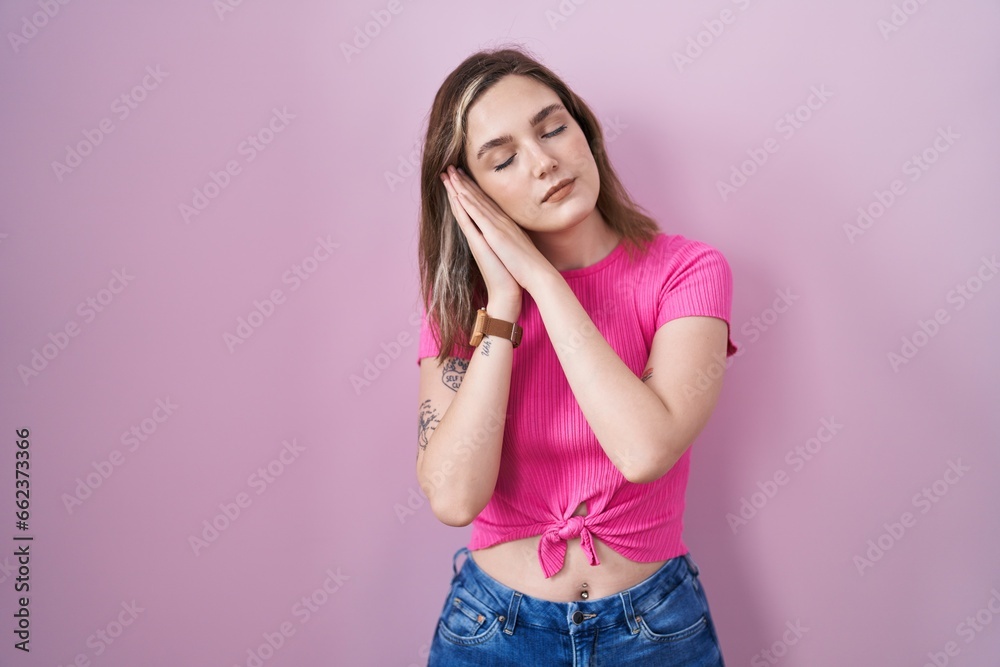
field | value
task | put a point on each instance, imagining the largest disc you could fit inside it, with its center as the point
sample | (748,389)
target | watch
(490,326)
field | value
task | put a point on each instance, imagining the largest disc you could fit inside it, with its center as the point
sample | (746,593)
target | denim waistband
(580,615)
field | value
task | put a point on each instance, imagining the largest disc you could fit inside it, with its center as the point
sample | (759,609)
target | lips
(558,186)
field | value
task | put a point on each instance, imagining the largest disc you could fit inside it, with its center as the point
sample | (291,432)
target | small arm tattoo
(647,374)
(486,347)
(454,372)
(427,422)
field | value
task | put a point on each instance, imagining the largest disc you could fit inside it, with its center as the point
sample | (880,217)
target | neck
(585,243)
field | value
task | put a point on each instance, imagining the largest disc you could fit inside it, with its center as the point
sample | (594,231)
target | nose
(542,160)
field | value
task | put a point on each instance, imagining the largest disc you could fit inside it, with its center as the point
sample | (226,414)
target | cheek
(579,143)
(511,200)
(579,160)
(582,154)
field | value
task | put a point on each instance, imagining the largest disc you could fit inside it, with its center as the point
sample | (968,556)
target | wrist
(492,324)
(504,310)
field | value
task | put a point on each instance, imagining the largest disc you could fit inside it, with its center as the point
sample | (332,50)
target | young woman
(561,429)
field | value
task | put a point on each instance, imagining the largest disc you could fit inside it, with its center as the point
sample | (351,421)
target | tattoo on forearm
(486,347)
(454,372)
(427,422)
(647,374)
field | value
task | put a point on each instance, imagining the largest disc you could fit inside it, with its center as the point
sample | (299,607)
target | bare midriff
(515,564)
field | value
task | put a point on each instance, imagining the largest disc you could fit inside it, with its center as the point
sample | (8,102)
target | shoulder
(671,254)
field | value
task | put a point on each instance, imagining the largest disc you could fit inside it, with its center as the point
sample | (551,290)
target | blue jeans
(662,620)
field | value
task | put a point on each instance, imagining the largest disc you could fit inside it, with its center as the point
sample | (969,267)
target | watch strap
(503,329)
(491,326)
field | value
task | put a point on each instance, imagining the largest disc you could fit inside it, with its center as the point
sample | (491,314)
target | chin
(574,212)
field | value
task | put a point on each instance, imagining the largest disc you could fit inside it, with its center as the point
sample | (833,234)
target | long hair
(451,284)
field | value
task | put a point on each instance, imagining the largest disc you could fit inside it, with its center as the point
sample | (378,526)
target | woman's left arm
(643,424)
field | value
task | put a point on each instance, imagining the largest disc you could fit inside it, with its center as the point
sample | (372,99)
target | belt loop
(691,564)
(630,617)
(454,560)
(515,602)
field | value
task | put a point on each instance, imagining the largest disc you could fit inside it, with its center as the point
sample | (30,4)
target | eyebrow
(506,138)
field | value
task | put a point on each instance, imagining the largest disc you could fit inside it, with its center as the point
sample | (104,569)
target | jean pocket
(467,621)
(677,616)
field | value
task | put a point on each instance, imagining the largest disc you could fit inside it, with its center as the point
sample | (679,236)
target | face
(519,147)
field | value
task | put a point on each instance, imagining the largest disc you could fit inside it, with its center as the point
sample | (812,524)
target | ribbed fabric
(551,460)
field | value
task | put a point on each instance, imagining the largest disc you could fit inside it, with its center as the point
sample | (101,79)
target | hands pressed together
(507,257)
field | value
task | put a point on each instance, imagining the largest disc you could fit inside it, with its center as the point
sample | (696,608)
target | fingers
(465,221)
(470,192)
(475,222)
(453,201)
(450,187)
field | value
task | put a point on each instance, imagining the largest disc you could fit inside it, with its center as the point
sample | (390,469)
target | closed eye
(511,159)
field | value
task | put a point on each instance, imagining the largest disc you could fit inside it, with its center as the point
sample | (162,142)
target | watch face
(477,329)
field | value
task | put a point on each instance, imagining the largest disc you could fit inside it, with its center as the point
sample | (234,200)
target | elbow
(452,512)
(643,469)
(456,521)
(453,504)
(447,505)
(644,475)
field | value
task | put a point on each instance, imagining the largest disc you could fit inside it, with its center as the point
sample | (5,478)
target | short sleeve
(429,346)
(698,281)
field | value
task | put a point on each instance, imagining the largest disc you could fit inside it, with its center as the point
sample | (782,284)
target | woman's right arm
(463,405)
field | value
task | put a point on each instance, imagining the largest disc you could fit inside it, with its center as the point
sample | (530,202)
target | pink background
(336,169)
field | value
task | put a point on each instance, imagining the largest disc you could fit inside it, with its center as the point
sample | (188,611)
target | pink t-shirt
(551,460)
